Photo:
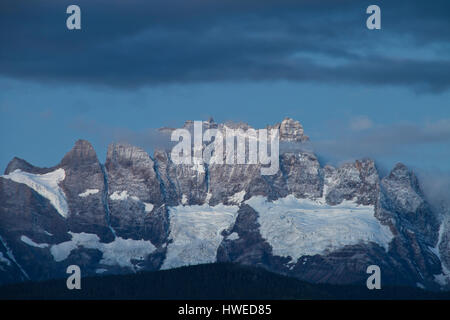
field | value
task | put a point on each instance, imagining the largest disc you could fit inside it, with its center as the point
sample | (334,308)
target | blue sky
(142,65)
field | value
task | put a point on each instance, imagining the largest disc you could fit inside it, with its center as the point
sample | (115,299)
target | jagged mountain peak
(23,165)
(160,155)
(81,153)
(401,174)
(364,166)
(358,179)
(227,213)
(18,163)
(126,154)
(290,130)
(399,168)
(402,186)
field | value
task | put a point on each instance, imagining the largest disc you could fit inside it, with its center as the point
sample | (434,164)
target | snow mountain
(139,212)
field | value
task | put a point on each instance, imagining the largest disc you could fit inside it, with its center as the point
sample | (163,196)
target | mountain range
(136,212)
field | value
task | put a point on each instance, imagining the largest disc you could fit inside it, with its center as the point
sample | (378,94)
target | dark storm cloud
(135,43)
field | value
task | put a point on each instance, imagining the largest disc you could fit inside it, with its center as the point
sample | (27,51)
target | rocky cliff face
(84,173)
(136,212)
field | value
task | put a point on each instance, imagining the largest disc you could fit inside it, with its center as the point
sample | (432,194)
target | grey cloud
(382,141)
(137,43)
(149,139)
(436,186)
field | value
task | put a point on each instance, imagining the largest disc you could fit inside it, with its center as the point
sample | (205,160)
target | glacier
(196,233)
(47,185)
(119,252)
(300,227)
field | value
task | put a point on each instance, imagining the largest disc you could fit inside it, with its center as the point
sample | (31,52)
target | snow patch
(195,232)
(237,197)
(233,236)
(88,192)
(119,252)
(208,197)
(31,243)
(148,207)
(122,196)
(297,227)
(184,199)
(47,185)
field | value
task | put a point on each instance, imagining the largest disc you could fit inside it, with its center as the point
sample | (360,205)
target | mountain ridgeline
(136,213)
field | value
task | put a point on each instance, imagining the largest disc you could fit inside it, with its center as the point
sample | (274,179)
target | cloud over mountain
(137,43)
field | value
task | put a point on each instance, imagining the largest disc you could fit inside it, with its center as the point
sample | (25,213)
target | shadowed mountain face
(141,213)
